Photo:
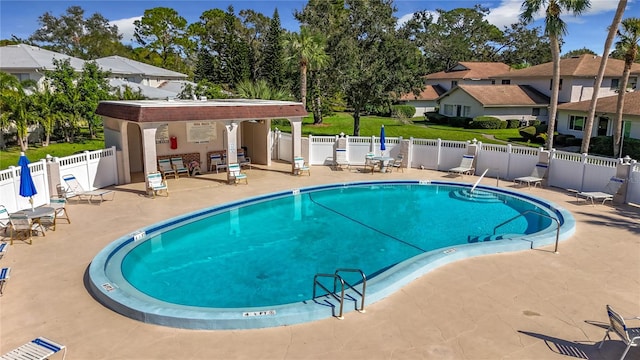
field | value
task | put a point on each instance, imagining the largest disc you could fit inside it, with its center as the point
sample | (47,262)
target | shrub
(528,133)
(513,124)
(535,122)
(487,122)
(459,121)
(402,111)
(436,118)
(574,142)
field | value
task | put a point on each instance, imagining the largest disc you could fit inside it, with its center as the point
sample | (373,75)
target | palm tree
(628,44)
(588,126)
(16,106)
(554,28)
(308,49)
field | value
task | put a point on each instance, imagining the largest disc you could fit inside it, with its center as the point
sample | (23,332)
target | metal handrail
(537,213)
(329,292)
(478,181)
(364,286)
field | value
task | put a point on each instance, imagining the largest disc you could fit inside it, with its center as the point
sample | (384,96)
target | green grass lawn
(370,125)
(10,156)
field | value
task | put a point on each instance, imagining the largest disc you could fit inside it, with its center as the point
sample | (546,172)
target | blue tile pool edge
(152,311)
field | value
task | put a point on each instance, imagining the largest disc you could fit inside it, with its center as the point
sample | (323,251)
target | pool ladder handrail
(537,213)
(336,277)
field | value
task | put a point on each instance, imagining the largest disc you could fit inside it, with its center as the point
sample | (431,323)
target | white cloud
(404,18)
(505,14)
(126,28)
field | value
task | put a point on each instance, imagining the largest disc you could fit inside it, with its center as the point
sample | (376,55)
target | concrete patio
(527,305)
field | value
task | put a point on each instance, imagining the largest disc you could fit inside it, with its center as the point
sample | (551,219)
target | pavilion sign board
(200,132)
(162,134)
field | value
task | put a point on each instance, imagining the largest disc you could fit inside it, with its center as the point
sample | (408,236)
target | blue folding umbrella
(383,147)
(27,187)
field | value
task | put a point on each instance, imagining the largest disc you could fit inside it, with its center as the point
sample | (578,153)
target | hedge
(487,122)
(402,111)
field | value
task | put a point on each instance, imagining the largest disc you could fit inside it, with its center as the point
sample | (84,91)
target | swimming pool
(251,263)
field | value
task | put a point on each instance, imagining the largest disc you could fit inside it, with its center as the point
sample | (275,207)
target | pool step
(475,196)
(481,238)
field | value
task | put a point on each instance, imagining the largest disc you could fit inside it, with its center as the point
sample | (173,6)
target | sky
(20,17)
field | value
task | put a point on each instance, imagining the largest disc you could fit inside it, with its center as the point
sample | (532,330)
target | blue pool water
(263,253)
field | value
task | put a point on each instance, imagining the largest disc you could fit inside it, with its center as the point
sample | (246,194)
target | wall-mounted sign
(162,134)
(201,132)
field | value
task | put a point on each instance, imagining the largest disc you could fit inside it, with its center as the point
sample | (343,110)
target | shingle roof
(504,95)
(22,56)
(581,66)
(608,104)
(147,91)
(471,70)
(118,65)
(430,92)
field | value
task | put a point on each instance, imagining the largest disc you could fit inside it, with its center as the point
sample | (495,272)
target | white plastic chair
(157,184)
(37,349)
(235,175)
(466,166)
(537,176)
(300,166)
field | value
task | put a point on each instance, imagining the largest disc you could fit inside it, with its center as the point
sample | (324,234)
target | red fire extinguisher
(174,142)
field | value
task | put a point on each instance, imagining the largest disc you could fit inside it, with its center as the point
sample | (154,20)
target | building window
(506,82)
(615,84)
(454,83)
(576,122)
(21,76)
(448,109)
(493,82)
(551,84)
(535,112)
(466,110)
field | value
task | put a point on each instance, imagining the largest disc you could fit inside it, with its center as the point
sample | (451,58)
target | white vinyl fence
(566,170)
(93,169)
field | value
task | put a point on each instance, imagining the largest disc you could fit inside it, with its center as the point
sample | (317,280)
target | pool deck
(527,305)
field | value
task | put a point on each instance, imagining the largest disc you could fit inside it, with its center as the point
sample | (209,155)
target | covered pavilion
(144,130)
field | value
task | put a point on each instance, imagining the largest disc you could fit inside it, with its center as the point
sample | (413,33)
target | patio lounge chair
(60,204)
(74,189)
(165,168)
(4,219)
(341,159)
(397,164)
(630,336)
(607,194)
(4,276)
(234,175)
(536,177)
(466,166)
(22,227)
(370,163)
(3,249)
(179,167)
(37,349)
(157,184)
(299,166)
(243,160)
(216,162)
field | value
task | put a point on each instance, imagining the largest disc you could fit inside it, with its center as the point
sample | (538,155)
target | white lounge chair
(299,166)
(243,160)
(340,159)
(37,349)
(3,249)
(397,164)
(157,184)
(370,163)
(179,167)
(235,175)
(4,219)
(60,204)
(630,336)
(4,276)
(217,162)
(466,166)
(74,189)
(612,188)
(536,177)
(165,168)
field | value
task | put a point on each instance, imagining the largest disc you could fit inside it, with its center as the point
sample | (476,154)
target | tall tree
(588,125)
(629,35)
(273,54)
(162,30)
(254,29)
(578,52)
(16,106)
(74,35)
(522,47)
(370,60)
(306,48)
(555,28)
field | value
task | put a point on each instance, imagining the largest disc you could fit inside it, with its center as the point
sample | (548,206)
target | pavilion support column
(231,141)
(124,168)
(149,154)
(296,140)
